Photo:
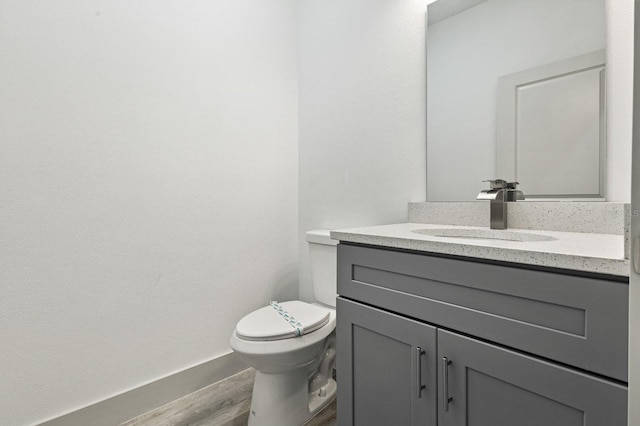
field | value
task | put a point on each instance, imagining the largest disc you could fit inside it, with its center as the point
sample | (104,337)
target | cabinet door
(491,386)
(386,368)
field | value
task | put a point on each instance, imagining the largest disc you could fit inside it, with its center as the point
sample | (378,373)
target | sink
(484,234)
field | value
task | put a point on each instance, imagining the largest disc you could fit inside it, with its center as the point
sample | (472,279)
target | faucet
(499,194)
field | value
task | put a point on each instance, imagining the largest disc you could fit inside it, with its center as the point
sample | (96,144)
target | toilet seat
(280,321)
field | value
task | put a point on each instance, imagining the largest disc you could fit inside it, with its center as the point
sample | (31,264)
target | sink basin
(484,234)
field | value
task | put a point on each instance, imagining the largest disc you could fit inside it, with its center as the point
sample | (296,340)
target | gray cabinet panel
(375,384)
(491,386)
(380,368)
(578,321)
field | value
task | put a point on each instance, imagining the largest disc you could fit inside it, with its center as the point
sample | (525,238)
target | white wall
(634,279)
(362,114)
(619,98)
(148,169)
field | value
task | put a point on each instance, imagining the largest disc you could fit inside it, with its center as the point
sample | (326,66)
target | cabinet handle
(446,399)
(635,255)
(419,353)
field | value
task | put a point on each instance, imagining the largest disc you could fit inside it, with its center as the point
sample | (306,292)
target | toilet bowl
(292,347)
(293,375)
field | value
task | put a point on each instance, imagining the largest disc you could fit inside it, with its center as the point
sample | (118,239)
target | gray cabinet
(517,347)
(491,386)
(388,363)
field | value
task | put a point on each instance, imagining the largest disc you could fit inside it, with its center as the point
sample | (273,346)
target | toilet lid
(282,321)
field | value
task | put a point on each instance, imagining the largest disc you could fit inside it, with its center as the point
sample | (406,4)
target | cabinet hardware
(446,399)
(419,353)
(636,254)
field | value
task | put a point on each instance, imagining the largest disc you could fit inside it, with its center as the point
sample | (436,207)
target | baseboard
(130,404)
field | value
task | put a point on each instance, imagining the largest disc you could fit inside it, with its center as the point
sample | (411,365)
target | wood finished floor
(225,403)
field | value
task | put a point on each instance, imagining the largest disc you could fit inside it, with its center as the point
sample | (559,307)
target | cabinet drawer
(575,320)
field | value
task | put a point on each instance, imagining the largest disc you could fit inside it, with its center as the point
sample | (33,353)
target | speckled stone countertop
(563,216)
(579,251)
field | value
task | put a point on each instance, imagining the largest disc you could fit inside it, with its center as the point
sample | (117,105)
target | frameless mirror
(515,90)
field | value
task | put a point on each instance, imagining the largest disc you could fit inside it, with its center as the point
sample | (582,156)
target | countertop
(579,251)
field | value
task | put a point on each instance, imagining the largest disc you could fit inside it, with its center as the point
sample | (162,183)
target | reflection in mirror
(551,121)
(472,45)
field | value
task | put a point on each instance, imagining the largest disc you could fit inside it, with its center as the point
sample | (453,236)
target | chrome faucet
(499,194)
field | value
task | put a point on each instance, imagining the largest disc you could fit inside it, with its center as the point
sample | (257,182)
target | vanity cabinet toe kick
(443,341)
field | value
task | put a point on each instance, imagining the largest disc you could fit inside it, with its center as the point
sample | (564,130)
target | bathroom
(161,161)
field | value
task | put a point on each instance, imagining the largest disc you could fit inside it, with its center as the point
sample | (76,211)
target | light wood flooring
(225,403)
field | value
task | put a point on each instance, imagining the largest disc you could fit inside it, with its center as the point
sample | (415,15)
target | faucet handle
(497,183)
(514,194)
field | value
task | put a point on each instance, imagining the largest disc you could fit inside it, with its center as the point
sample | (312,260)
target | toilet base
(284,399)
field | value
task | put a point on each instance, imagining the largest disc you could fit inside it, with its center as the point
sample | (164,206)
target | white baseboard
(130,404)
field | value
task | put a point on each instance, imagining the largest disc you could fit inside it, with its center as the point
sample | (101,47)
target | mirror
(515,90)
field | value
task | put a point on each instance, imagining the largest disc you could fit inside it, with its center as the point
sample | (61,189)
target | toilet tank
(323,259)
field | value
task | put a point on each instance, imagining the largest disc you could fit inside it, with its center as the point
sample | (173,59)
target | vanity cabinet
(440,341)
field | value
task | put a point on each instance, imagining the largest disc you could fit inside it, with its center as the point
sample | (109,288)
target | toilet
(292,346)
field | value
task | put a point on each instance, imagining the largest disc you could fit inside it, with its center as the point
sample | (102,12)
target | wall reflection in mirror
(515,90)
